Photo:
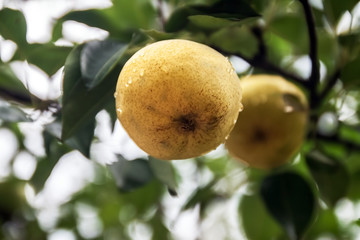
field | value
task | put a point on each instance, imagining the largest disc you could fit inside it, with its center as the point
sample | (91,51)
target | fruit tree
(259,99)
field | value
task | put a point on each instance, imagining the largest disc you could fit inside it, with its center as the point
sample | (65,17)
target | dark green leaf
(13,26)
(227,9)
(10,113)
(98,58)
(11,88)
(83,138)
(332,178)
(350,74)
(48,57)
(179,18)
(80,105)
(110,109)
(165,172)
(211,23)
(158,35)
(351,42)
(130,175)
(290,200)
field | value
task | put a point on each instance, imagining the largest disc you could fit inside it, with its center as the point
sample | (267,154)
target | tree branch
(314,78)
(260,61)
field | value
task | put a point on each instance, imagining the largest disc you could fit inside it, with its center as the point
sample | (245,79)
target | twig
(260,61)
(314,78)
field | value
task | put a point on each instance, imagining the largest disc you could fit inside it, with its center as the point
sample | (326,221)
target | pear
(272,126)
(178,99)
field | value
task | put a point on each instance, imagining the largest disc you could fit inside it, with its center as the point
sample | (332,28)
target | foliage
(298,201)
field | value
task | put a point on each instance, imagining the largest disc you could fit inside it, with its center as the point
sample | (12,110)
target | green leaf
(13,26)
(328,49)
(80,105)
(165,172)
(334,9)
(350,74)
(133,14)
(278,47)
(203,196)
(292,28)
(82,140)
(350,133)
(226,9)
(326,222)
(120,20)
(130,175)
(91,17)
(11,88)
(331,176)
(236,40)
(290,200)
(48,57)
(98,58)
(254,216)
(160,230)
(10,113)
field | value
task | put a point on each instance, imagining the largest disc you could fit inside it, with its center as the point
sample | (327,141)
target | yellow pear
(178,99)
(271,128)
